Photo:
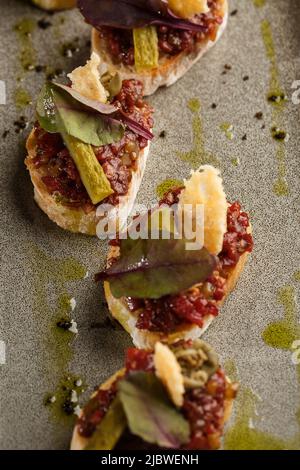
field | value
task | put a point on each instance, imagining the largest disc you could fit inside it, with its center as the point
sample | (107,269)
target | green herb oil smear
(277,98)
(52,276)
(259,3)
(227,128)
(166,185)
(24,30)
(197,156)
(22,98)
(243,433)
(281,334)
(64,401)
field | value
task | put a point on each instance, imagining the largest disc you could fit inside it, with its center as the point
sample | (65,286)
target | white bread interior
(76,220)
(55,4)
(146,339)
(170,69)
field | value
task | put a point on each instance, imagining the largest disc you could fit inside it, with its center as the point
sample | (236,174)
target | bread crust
(146,339)
(55,4)
(170,69)
(76,220)
(79,443)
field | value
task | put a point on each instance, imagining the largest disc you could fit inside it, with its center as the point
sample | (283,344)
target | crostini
(160,291)
(157,41)
(55,4)
(172,397)
(89,147)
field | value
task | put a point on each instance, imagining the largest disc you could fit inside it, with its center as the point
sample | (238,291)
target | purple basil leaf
(102,108)
(134,126)
(108,111)
(130,14)
(155,268)
(150,413)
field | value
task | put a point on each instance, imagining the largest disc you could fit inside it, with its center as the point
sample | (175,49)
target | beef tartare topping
(118,160)
(171,41)
(95,410)
(203,406)
(193,305)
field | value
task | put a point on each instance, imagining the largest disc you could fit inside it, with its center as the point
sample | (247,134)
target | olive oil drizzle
(277,98)
(198,155)
(57,352)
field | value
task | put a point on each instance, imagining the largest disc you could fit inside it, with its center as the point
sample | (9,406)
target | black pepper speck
(44,24)
(258,115)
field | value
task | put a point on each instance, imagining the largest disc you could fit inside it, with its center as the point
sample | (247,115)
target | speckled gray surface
(33,366)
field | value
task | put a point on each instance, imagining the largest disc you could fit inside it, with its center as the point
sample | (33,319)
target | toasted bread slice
(146,339)
(76,220)
(171,68)
(55,4)
(79,443)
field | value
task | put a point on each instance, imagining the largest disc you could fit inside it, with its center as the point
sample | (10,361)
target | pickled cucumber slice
(91,172)
(145,48)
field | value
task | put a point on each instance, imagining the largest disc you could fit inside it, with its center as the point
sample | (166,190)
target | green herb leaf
(59,111)
(154,268)
(89,127)
(109,431)
(114,85)
(150,413)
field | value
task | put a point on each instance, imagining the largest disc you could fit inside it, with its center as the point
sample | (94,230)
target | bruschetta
(158,290)
(157,41)
(89,147)
(171,397)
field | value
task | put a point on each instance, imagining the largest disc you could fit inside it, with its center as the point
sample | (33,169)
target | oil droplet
(281,334)
(277,97)
(166,185)
(24,30)
(235,161)
(194,105)
(227,128)
(296,276)
(22,98)
(259,3)
(198,155)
